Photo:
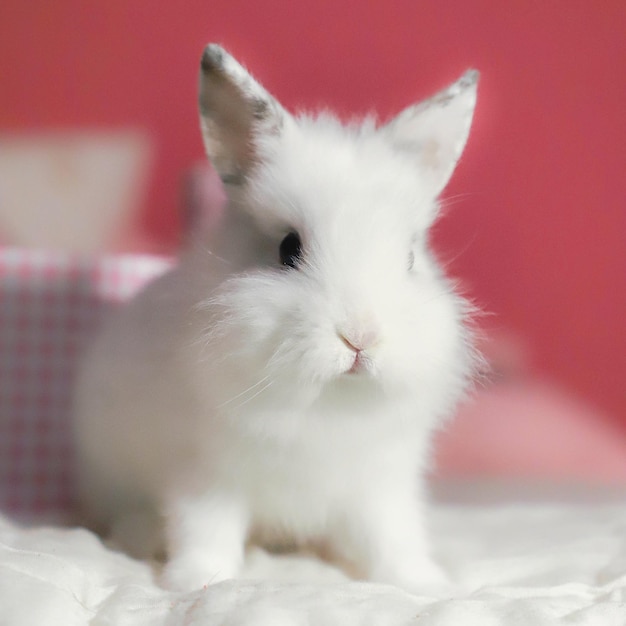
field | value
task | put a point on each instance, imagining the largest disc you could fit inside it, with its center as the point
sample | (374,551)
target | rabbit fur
(282,383)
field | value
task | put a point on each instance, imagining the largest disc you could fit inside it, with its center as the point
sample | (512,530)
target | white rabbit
(282,383)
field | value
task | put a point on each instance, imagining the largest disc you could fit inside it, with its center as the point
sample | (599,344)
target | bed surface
(515,558)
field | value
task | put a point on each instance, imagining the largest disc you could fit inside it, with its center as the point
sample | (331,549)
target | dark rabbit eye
(290,250)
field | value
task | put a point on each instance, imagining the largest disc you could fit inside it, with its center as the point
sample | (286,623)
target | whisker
(260,391)
(245,391)
(458,197)
(206,250)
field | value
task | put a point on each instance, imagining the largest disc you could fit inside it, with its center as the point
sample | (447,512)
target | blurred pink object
(203,200)
(532,430)
(50,305)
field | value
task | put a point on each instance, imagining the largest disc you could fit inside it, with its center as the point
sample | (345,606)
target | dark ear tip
(470,78)
(212,58)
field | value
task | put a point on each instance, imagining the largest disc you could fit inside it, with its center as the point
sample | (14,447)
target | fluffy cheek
(271,341)
(424,351)
(310,348)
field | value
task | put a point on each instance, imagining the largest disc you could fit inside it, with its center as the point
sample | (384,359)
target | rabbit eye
(290,250)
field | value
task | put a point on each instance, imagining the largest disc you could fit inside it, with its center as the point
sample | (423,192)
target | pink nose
(359,340)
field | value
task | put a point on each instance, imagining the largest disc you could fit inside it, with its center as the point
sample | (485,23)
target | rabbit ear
(235,111)
(435,131)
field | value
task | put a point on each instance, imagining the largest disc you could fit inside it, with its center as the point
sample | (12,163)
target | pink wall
(538,218)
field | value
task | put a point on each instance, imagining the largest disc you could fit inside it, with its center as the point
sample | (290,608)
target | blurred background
(99,137)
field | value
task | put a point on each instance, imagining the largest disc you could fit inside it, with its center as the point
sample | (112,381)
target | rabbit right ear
(235,112)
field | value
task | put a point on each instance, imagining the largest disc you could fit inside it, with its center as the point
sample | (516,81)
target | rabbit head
(333,295)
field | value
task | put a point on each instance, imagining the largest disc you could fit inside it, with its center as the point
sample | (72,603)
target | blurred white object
(75,191)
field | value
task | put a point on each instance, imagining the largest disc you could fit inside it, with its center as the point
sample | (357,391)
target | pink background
(538,215)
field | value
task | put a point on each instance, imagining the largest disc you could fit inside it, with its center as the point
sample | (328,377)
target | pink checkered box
(50,305)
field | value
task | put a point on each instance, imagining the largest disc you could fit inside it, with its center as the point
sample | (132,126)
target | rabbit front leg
(384,538)
(205,539)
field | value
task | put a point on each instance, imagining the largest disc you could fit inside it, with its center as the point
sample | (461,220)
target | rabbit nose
(359,340)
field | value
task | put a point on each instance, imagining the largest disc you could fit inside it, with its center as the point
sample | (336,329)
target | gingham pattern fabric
(50,304)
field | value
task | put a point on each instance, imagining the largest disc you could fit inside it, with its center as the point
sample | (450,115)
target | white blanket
(529,564)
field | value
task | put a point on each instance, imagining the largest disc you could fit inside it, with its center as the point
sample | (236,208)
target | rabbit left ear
(434,132)
(236,113)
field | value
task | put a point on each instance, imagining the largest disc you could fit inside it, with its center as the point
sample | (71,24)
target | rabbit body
(282,383)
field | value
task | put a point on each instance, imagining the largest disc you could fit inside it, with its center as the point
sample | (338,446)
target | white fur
(220,399)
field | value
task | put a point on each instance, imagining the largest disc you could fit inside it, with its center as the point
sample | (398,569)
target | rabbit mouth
(360,365)
(357,366)
(359,345)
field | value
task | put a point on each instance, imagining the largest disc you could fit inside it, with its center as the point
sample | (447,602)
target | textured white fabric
(526,564)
